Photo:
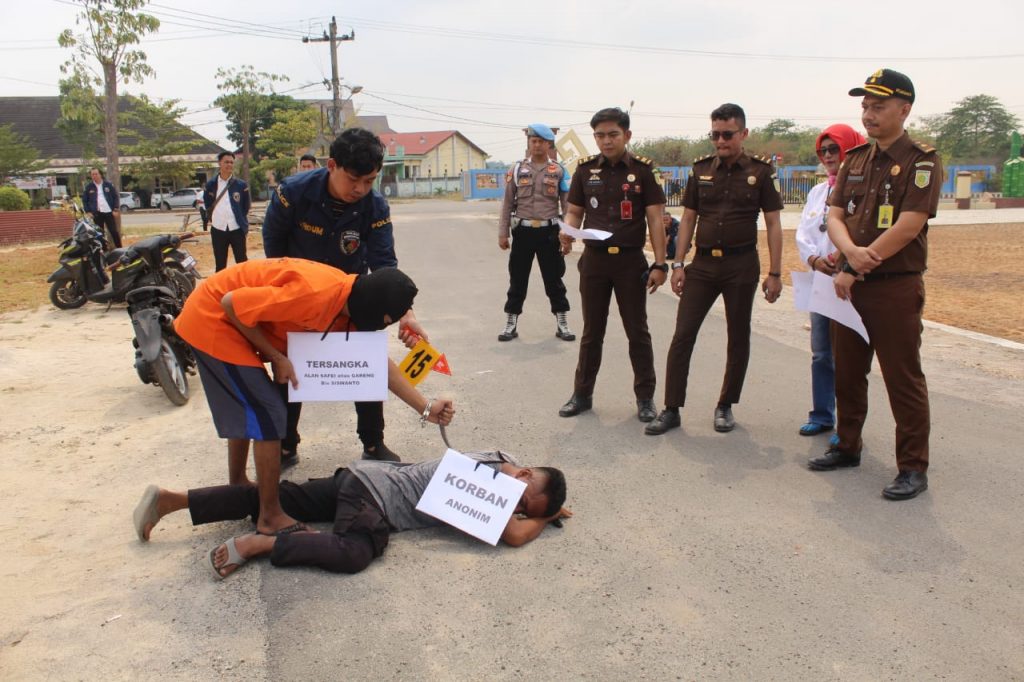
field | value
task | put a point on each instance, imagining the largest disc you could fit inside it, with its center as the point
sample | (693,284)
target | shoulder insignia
(281,197)
(762,159)
(858,148)
(703,158)
(588,159)
(923,146)
(644,160)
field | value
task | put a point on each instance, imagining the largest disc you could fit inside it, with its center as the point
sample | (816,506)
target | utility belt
(524,222)
(606,248)
(878,276)
(722,251)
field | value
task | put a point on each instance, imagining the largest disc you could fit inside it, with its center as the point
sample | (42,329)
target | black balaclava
(383,292)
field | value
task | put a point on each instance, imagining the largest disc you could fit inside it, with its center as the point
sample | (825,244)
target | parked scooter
(161,356)
(84,260)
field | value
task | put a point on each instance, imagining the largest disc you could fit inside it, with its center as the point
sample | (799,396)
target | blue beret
(540,130)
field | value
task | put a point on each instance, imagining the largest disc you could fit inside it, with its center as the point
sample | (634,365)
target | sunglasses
(832,149)
(724,134)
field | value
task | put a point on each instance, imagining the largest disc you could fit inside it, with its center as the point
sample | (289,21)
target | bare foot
(246,547)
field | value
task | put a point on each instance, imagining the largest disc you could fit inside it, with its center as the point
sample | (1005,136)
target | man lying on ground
(366,502)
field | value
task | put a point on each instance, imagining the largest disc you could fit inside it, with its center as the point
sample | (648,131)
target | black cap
(886,83)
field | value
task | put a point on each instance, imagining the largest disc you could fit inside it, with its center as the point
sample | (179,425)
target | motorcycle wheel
(66,294)
(170,374)
(182,282)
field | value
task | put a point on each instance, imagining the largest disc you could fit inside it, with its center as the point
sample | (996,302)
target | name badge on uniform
(626,209)
(885,210)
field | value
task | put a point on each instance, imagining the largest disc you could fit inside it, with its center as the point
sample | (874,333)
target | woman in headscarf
(819,253)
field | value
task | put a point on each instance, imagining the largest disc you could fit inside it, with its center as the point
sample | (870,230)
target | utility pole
(335,83)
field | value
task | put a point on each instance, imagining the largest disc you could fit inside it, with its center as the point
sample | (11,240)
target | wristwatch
(660,266)
(677,265)
(849,270)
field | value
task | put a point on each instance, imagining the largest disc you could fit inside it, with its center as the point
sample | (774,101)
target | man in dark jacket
(333,215)
(101,200)
(227,203)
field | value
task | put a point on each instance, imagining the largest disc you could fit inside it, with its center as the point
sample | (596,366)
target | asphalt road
(694,555)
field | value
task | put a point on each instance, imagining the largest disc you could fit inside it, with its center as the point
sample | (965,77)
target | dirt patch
(974,276)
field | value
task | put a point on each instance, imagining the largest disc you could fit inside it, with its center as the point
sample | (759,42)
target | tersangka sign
(471,496)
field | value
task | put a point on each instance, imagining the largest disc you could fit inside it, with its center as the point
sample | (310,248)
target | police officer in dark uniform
(616,192)
(333,215)
(535,192)
(878,218)
(723,196)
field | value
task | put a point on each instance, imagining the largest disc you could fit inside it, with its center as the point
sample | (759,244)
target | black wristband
(659,266)
(774,274)
(848,270)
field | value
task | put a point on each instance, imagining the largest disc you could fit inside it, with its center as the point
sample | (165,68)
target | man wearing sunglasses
(723,196)
(878,218)
(616,192)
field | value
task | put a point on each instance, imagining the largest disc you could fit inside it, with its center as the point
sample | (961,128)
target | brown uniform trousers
(734,277)
(601,274)
(891,311)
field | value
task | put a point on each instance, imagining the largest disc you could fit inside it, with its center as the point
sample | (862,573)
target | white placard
(583,234)
(339,369)
(814,292)
(471,496)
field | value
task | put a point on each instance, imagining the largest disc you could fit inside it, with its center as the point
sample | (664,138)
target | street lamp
(339,123)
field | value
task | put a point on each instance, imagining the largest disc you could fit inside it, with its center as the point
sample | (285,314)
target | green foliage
(248,102)
(81,112)
(162,138)
(109,30)
(281,144)
(17,155)
(673,151)
(780,136)
(13,199)
(976,130)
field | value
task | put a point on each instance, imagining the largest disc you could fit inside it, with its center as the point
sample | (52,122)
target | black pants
(541,242)
(221,239)
(734,278)
(108,221)
(360,531)
(369,422)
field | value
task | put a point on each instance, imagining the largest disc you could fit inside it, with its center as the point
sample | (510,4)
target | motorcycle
(161,356)
(84,260)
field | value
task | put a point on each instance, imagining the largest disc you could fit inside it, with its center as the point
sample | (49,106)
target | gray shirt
(398,486)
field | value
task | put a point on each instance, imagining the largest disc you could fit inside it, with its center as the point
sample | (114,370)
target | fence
(17,227)
(409,188)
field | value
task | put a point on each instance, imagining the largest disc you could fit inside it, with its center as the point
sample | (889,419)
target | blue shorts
(243,400)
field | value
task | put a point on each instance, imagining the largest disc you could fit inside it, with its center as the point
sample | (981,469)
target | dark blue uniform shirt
(300,223)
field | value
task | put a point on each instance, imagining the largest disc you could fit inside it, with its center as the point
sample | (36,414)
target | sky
(489,68)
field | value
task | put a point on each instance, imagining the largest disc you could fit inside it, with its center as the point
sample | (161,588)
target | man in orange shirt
(239,319)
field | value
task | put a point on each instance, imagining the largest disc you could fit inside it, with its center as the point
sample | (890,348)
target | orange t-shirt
(280,294)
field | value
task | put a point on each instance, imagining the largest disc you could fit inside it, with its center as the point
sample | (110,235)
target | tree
(246,98)
(976,130)
(17,155)
(160,142)
(111,27)
(672,151)
(81,114)
(293,130)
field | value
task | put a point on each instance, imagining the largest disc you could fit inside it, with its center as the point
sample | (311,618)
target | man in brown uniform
(617,192)
(725,191)
(878,219)
(535,193)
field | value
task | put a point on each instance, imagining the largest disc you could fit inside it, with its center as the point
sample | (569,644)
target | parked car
(130,201)
(190,197)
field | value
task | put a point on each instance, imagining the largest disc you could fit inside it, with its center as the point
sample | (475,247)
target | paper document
(583,234)
(814,292)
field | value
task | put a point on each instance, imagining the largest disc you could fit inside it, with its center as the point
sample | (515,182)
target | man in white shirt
(101,200)
(228,201)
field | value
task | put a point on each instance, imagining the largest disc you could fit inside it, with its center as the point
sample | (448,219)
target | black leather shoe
(576,404)
(646,411)
(906,485)
(723,419)
(289,458)
(381,453)
(833,459)
(668,419)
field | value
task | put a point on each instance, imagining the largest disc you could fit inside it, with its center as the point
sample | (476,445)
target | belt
(719,251)
(607,248)
(876,276)
(536,223)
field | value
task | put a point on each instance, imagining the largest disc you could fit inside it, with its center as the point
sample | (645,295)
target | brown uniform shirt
(534,193)
(727,199)
(908,176)
(600,188)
